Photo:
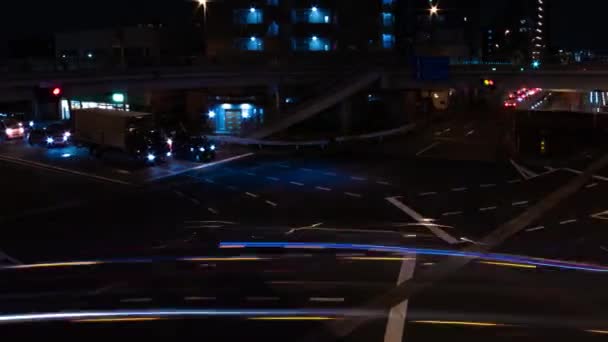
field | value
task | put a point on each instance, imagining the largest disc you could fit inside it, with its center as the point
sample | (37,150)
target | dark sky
(575,24)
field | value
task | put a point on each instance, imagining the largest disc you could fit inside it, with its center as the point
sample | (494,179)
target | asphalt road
(419,199)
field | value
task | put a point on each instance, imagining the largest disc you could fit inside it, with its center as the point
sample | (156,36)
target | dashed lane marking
(331,174)
(307,170)
(232,187)
(487,185)
(274,179)
(179,193)
(251,195)
(327,299)
(296,183)
(204,166)
(516,204)
(535,229)
(568,222)
(271,203)
(488,208)
(435,229)
(428,194)
(592,185)
(213,211)
(360,179)
(469,133)
(452,213)
(514,181)
(428,148)
(210,181)
(136,300)
(195,201)
(352,194)
(250,174)
(262,299)
(322,188)
(383,183)
(197,299)
(459,189)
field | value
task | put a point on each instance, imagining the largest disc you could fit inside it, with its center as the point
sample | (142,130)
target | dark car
(11,129)
(192,147)
(53,135)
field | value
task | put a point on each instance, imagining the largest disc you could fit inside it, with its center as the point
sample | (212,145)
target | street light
(434,10)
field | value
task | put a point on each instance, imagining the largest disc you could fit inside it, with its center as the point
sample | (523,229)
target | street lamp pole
(203,5)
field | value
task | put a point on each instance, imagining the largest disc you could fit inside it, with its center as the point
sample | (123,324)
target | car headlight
(212,147)
(169,154)
(151,157)
(49,140)
(67,134)
(202,149)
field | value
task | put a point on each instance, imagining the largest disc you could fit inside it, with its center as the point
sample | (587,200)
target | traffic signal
(488,83)
(56,91)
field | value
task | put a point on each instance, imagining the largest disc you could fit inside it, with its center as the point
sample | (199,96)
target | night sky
(575,24)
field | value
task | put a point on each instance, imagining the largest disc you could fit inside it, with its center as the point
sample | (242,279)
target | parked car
(54,135)
(11,129)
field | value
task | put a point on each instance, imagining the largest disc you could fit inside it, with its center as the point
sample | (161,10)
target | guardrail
(320,143)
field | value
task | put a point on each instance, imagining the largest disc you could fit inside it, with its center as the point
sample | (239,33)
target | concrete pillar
(346,112)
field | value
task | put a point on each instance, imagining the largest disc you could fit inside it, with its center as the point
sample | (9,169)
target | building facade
(521,35)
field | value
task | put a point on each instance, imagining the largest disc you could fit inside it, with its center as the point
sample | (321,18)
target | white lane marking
(383,183)
(327,299)
(600,216)
(195,201)
(196,299)
(251,195)
(440,233)
(514,181)
(307,170)
(204,166)
(459,189)
(4,256)
(136,300)
(604,248)
(395,326)
(179,193)
(578,172)
(488,208)
(232,187)
(427,194)
(352,194)
(210,181)
(428,148)
(213,211)
(60,169)
(535,229)
(487,185)
(271,203)
(452,213)
(331,174)
(284,166)
(250,174)
(274,179)
(262,299)
(592,185)
(568,222)
(515,204)
(524,172)
(360,179)
(322,188)
(470,133)
(296,183)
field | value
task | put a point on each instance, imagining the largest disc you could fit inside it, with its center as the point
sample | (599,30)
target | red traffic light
(56,91)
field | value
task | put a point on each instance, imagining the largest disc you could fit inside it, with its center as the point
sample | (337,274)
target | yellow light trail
(506,264)
(598,331)
(117,320)
(472,324)
(59,264)
(292,318)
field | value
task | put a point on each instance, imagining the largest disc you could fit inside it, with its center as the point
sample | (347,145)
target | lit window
(388,20)
(272,2)
(388,41)
(250,44)
(249,16)
(313,43)
(313,15)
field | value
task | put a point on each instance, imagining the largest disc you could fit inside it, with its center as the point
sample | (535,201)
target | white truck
(133,133)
